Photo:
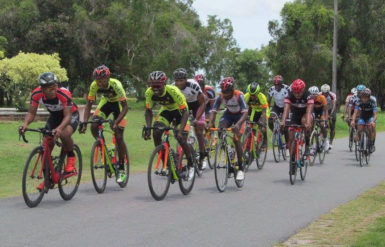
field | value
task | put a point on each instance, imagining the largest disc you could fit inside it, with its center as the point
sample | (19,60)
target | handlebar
(43,131)
(99,121)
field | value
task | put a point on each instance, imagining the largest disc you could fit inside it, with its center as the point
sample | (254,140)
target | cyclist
(331,98)
(320,112)
(366,112)
(346,108)
(196,104)
(113,101)
(173,109)
(301,104)
(208,92)
(234,115)
(258,108)
(63,119)
(279,92)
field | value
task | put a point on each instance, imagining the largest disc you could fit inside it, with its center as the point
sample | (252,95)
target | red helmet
(101,72)
(227,84)
(278,79)
(199,78)
(298,86)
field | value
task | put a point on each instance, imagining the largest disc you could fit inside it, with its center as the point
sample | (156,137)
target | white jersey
(191,91)
(279,96)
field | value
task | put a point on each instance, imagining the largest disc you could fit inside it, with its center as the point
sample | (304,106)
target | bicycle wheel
(185,184)
(282,146)
(248,155)
(276,146)
(158,178)
(304,163)
(98,167)
(362,148)
(195,154)
(262,152)
(31,178)
(221,168)
(322,152)
(126,170)
(212,150)
(292,164)
(351,139)
(69,182)
(356,150)
(314,146)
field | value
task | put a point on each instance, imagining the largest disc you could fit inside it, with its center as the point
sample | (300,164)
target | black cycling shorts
(55,120)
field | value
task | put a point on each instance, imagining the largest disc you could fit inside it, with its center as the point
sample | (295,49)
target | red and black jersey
(56,105)
(298,106)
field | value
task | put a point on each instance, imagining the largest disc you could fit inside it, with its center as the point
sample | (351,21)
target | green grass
(375,236)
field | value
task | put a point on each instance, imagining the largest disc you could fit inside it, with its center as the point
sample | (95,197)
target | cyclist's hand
(114,126)
(373,124)
(352,124)
(236,128)
(282,125)
(307,125)
(194,122)
(180,135)
(57,132)
(82,128)
(147,134)
(22,129)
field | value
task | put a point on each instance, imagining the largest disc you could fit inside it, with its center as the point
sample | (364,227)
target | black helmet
(47,79)
(180,73)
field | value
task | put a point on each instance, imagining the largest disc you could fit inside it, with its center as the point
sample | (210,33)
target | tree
(20,73)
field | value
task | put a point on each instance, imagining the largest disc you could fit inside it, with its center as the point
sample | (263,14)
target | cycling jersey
(367,109)
(353,100)
(56,105)
(209,95)
(298,106)
(171,99)
(279,96)
(191,91)
(319,104)
(258,103)
(113,93)
(234,105)
(330,98)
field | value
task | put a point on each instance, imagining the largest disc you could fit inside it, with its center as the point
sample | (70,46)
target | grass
(375,236)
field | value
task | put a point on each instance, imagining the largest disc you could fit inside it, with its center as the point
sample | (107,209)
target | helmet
(325,88)
(278,79)
(298,86)
(354,90)
(366,92)
(47,79)
(199,78)
(253,88)
(360,88)
(314,90)
(180,73)
(157,76)
(227,84)
(101,72)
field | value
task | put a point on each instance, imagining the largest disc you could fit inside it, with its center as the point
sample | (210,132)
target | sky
(249,18)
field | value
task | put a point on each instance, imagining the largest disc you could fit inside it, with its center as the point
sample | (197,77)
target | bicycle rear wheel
(292,163)
(262,152)
(126,170)
(248,155)
(314,146)
(276,146)
(221,168)
(69,182)
(158,178)
(98,167)
(185,184)
(31,178)
(322,151)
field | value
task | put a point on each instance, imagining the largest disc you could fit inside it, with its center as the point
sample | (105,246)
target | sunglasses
(49,89)
(157,86)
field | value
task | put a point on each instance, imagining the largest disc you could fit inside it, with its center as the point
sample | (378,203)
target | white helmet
(354,90)
(325,88)
(314,90)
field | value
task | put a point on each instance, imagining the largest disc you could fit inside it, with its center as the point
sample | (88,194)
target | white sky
(249,18)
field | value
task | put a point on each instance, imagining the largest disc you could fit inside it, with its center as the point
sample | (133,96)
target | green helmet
(253,88)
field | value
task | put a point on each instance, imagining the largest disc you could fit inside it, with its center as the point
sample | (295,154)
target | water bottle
(112,150)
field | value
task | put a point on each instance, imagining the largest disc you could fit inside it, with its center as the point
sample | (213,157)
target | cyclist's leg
(199,129)
(272,118)
(163,119)
(332,128)
(101,112)
(307,132)
(360,127)
(119,133)
(68,144)
(233,119)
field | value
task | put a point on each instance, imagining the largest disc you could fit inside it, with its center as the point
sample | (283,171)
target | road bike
(225,162)
(317,143)
(252,146)
(167,166)
(298,160)
(41,166)
(103,161)
(278,140)
(364,146)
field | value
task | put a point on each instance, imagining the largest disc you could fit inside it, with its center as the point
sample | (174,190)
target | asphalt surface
(267,210)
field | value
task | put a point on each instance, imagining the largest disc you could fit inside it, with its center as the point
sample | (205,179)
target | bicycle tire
(293,175)
(126,170)
(211,152)
(248,155)
(262,153)
(32,202)
(314,145)
(275,146)
(351,139)
(362,148)
(356,150)
(79,166)
(322,153)
(221,168)
(166,178)
(196,158)
(186,185)
(97,147)
(304,164)
(282,146)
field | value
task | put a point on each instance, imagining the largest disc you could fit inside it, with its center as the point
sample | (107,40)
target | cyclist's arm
(123,112)
(242,119)
(374,116)
(67,112)
(213,112)
(30,116)
(309,110)
(325,110)
(286,110)
(356,113)
(201,108)
(334,105)
(148,117)
(184,119)
(244,110)
(87,110)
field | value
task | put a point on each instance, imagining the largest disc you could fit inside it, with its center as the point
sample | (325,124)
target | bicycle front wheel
(314,146)
(221,168)
(69,182)
(351,142)
(262,152)
(185,184)
(32,177)
(276,148)
(322,153)
(305,160)
(158,178)
(293,163)
(98,167)
(126,170)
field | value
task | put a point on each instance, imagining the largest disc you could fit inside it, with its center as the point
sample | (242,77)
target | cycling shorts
(193,107)
(105,108)
(167,117)
(363,121)
(231,119)
(55,120)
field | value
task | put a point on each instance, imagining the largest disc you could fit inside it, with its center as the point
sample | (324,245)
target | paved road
(267,210)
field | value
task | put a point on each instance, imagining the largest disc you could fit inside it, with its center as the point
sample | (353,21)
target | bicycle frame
(251,139)
(299,139)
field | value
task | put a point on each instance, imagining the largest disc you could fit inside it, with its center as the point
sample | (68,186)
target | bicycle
(317,143)
(297,158)
(103,161)
(166,166)
(225,162)
(364,147)
(277,140)
(352,133)
(253,147)
(50,170)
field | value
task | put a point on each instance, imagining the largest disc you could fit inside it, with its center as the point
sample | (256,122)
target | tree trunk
(2,97)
